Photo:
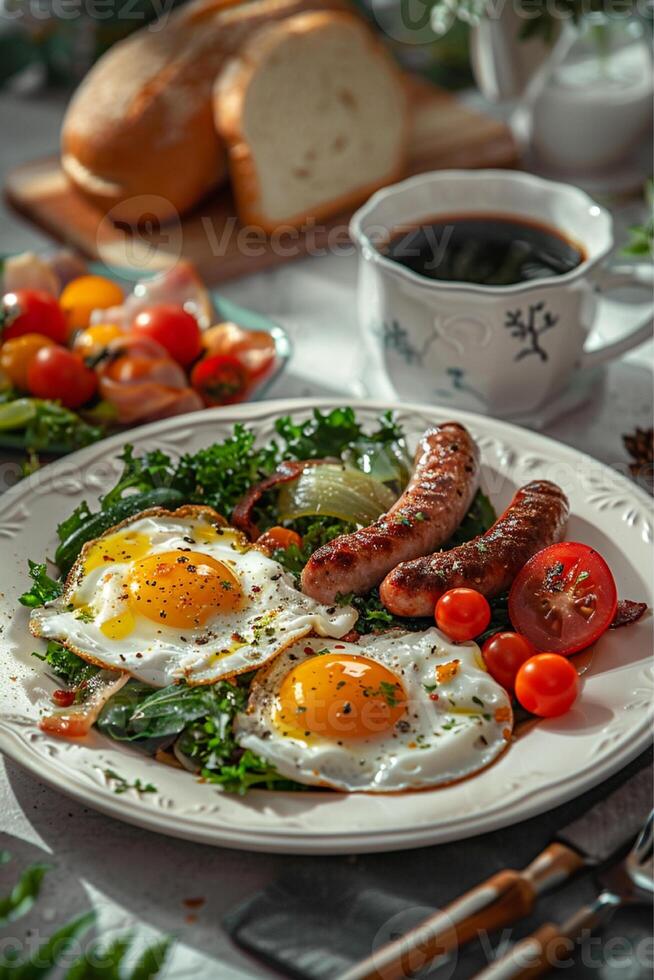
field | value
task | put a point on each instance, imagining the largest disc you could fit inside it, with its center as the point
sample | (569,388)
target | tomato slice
(564,598)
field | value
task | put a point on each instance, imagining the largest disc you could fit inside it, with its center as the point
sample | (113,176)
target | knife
(630,881)
(605,830)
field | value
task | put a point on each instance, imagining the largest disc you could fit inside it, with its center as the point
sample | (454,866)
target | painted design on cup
(530,328)
(396,338)
(456,376)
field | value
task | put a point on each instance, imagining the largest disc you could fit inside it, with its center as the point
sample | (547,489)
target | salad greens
(43,426)
(198,721)
(44,588)
(67,666)
(202,716)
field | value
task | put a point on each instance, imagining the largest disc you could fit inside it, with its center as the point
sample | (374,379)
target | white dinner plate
(552,762)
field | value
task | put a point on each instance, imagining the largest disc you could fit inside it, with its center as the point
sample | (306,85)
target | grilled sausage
(536,517)
(436,500)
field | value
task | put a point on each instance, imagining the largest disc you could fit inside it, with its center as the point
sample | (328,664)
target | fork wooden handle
(504,898)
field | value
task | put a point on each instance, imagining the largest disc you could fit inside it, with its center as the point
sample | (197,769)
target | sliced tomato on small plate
(564,598)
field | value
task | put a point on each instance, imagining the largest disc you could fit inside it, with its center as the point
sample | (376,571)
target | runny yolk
(118,627)
(121,547)
(339,697)
(182,588)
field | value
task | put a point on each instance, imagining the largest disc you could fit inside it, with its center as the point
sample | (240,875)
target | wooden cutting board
(445,134)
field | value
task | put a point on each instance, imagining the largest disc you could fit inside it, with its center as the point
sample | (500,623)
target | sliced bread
(141,122)
(314,114)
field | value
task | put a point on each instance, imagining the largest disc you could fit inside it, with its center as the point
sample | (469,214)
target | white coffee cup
(501,350)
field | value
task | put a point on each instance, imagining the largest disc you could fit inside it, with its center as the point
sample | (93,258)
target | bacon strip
(628,612)
(78,720)
(242,514)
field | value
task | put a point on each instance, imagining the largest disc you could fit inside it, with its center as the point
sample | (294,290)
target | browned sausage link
(444,481)
(537,516)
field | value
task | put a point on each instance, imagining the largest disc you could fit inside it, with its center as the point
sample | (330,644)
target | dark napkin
(323,914)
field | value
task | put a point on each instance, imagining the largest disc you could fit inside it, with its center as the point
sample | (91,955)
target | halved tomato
(564,598)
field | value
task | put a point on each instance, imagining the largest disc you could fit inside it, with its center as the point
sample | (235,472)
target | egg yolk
(339,697)
(121,547)
(182,588)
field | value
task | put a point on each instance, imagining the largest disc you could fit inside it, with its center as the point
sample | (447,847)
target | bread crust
(230,93)
(141,122)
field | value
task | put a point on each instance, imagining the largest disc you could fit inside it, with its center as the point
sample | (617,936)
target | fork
(631,881)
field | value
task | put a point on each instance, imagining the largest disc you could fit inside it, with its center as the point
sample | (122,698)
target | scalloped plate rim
(280,836)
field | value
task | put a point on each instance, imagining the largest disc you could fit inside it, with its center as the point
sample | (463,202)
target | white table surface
(134,877)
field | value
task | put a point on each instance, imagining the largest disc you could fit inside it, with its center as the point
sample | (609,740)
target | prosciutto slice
(143,383)
(78,720)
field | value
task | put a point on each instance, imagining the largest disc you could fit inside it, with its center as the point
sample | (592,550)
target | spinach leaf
(44,588)
(115,716)
(137,712)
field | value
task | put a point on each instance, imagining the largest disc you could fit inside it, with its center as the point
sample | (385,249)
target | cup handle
(614,278)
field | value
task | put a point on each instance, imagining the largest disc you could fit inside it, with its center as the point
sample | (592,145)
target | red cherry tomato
(220,380)
(32,311)
(255,349)
(504,654)
(173,328)
(61,375)
(547,685)
(278,537)
(462,614)
(564,598)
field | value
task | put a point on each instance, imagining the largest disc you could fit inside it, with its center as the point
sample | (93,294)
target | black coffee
(488,249)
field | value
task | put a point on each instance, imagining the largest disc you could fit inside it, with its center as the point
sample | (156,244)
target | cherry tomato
(462,614)
(255,349)
(61,375)
(278,537)
(173,328)
(220,380)
(87,293)
(32,311)
(547,685)
(94,339)
(564,598)
(504,654)
(16,356)
(63,698)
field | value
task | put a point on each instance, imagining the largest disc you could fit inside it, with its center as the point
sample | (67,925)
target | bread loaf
(314,114)
(141,121)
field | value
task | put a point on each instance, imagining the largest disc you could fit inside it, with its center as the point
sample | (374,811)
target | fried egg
(180,595)
(393,712)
